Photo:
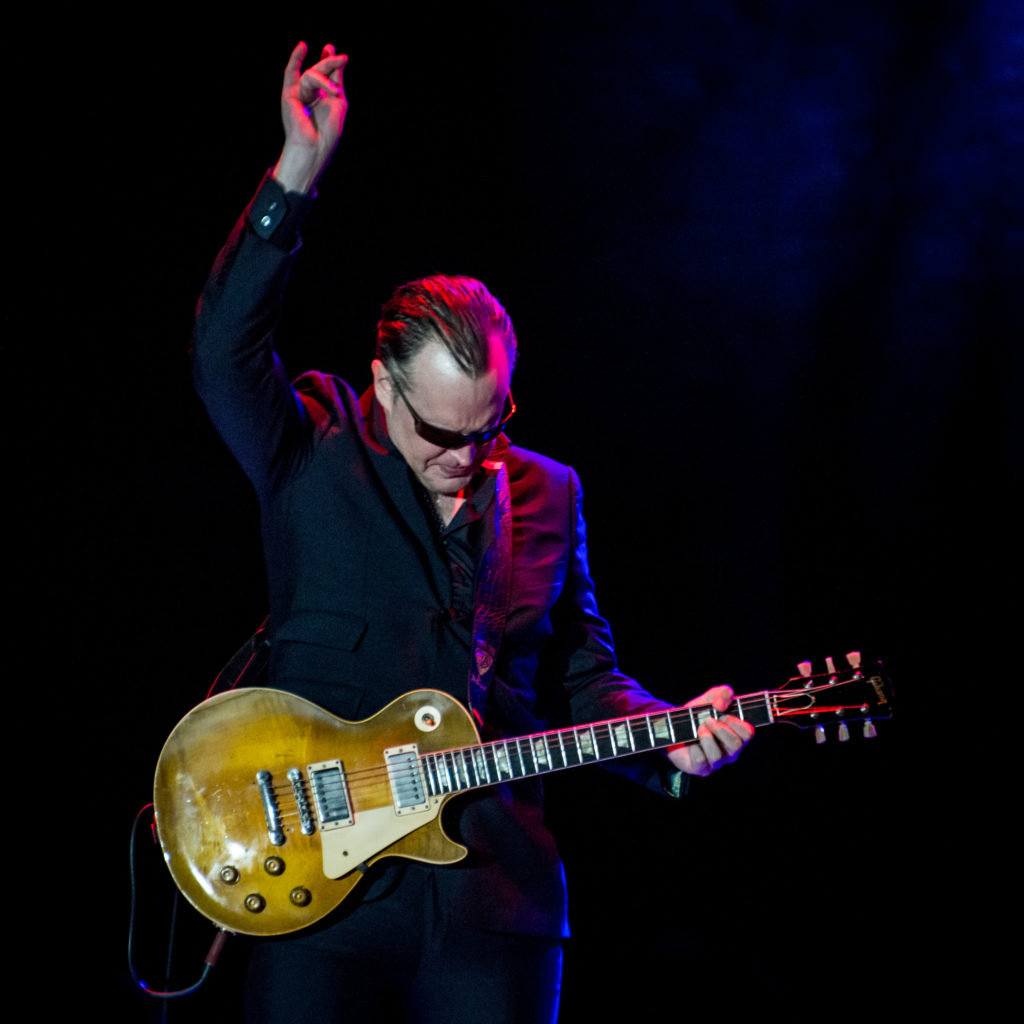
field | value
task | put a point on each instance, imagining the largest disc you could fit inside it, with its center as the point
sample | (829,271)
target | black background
(764,264)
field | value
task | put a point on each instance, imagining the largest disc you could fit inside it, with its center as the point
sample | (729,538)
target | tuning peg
(819,733)
(853,659)
(844,732)
(804,668)
(830,666)
(870,732)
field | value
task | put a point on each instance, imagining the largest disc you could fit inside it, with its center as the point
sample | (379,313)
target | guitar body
(230,819)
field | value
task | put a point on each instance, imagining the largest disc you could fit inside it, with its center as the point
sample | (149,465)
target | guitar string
(461,763)
(602,731)
(373,775)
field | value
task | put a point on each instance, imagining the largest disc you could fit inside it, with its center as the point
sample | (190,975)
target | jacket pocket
(340,630)
(315,654)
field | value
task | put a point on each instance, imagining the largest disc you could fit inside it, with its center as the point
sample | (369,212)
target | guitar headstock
(854,691)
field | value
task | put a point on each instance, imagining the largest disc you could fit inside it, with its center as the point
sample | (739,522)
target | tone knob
(273,866)
(229,875)
(300,896)
(255,903)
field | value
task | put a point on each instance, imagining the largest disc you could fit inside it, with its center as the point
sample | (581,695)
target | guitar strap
(246,663)
(492,594)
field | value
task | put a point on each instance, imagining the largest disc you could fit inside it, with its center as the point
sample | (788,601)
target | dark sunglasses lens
(442,438)
(451,438)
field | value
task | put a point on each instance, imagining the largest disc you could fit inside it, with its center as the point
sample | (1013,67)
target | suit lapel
(397,481)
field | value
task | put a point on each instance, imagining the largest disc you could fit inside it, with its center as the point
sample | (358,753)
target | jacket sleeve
(236,372)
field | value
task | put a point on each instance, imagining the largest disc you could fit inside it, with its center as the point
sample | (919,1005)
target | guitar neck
(486,764)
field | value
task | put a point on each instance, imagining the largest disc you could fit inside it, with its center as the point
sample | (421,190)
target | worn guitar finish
(270,809)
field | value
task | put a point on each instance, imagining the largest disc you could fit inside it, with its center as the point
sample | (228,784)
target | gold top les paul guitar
(269,809)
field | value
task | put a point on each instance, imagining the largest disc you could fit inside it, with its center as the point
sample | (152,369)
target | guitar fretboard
(454,771)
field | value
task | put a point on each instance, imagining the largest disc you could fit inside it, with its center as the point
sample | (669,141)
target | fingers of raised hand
(293,68)
(315,85)
(328,68)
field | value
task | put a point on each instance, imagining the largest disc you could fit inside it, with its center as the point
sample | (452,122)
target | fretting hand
(719,741)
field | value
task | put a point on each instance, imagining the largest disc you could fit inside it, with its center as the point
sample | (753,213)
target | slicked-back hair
(458,312)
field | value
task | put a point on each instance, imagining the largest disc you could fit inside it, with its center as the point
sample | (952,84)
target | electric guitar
(270,809)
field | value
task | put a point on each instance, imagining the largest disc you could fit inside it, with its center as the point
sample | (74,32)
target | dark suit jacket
(360,587)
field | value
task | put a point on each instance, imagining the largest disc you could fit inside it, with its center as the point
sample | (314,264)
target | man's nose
(464,456)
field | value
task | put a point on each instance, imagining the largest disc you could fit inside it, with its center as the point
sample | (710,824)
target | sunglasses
(452,438)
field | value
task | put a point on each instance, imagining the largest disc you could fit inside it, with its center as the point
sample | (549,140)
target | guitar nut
(229,875)
(300,896)
(273,866)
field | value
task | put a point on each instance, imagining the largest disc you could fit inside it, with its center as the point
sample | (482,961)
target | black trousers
(397,956)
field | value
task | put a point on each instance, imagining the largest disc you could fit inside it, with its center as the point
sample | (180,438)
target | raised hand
(719,741)
(313,108)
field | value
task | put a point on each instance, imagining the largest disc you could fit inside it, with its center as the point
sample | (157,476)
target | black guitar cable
(211,957)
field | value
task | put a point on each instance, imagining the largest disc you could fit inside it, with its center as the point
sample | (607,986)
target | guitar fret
(464,765)
(578,742)
(547,752)
(659,728)
(480,762)
(561,750)
(575,746)
(536,763)
(456,761)
(522,762)
(515,758)
(683,727)
(620,735)
(639,734)
(539,753)
(513,755)
(610,737)
(501,760)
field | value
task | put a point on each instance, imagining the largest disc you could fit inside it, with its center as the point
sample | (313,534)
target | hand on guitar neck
(719,740)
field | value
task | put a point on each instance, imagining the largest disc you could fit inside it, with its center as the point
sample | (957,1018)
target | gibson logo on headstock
(878,685)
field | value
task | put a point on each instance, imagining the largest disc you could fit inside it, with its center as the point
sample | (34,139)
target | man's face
(444,396)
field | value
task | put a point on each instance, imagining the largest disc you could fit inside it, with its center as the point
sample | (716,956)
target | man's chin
(442,483)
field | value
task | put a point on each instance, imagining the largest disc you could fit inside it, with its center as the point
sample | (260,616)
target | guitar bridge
(265,784)
(306,826)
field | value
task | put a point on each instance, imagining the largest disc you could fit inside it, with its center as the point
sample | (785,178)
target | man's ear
(382,388)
